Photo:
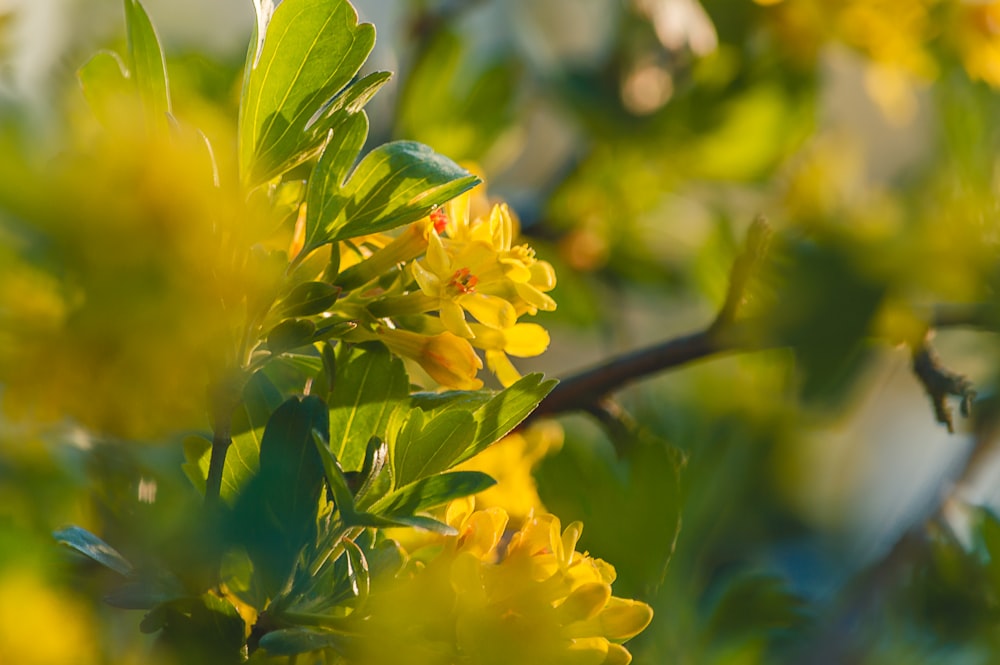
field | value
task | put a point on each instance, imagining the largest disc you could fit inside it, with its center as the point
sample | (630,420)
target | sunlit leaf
(395,184)
(423,449)
(369,384)
(505,411)
(431,492)
(311,49)
(104,81)
(148,68)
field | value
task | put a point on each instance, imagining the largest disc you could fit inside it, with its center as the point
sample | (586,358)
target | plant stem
(223,397)
(221,440)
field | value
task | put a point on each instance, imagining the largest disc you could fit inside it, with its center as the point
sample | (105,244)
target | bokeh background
(826,516)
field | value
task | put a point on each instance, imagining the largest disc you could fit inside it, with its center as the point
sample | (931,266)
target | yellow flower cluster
(488,597)
(468,291)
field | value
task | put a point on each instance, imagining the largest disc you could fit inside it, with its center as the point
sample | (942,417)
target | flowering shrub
(294,283)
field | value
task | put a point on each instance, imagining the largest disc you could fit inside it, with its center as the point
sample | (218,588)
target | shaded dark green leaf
(309,298)
(290,334)
(293,641)
(90,545)
(275,515)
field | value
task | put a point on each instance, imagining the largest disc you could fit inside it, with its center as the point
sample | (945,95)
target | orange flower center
(464,281)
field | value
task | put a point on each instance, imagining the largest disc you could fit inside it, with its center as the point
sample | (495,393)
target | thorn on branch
(941,383)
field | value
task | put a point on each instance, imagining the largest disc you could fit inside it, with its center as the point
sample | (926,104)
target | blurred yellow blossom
(40,626)
(141,270)
(510,462)
(489,597)
(976,37)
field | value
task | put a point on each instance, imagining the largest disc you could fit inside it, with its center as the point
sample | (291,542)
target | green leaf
(206,629)
(146,591)
(345,105)
(505,411)
(290,334)
(104,81)
(395,184)
(311,49)
(328,177)
(293,641)
(309,298)
(335,478)
(260,399)
(90,545)
(275,515)
(369,384)
(197,454)
(423,450)
(357,571)
(148,68)
(431,492)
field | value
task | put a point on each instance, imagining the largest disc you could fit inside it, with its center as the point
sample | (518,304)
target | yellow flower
(454,281)
(525,278)
(476,602)
(447,358)
(523,340)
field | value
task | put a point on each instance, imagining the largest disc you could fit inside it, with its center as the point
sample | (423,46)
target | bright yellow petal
(491,311)
(534,297)
(543,275)
(617,655)
(624,618)
(437,257)
(429,283)
(500,365)
(526,340)
(453,318)
(584,602)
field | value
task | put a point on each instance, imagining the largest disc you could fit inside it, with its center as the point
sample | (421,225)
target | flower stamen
(464,281)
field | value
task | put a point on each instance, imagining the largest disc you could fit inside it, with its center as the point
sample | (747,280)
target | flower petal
(500,365)
(526,340)
(492,311)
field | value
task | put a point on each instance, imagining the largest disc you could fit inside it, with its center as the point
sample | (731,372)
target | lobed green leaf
(309,50)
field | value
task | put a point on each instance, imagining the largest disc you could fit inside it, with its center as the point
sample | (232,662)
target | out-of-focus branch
(586,390)
(941,383)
